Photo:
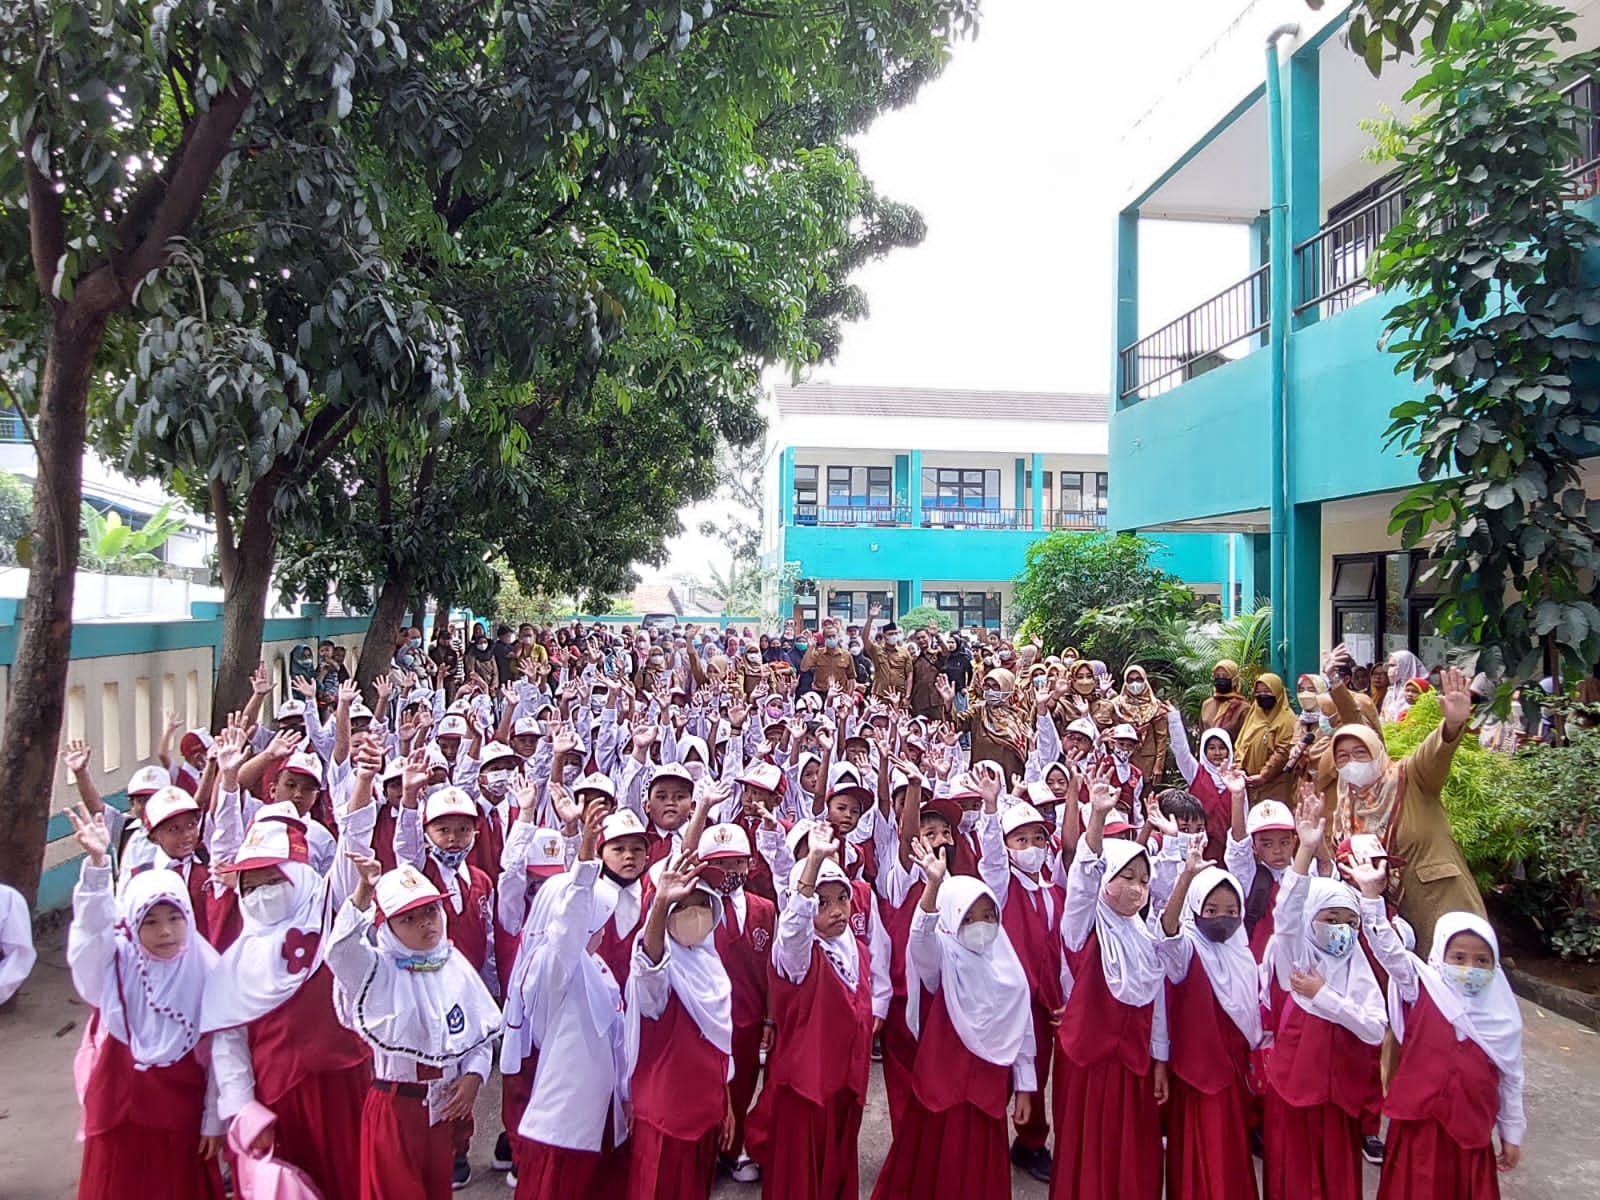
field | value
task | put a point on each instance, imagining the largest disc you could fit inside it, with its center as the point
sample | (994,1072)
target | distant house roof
(655,598)
(818,399)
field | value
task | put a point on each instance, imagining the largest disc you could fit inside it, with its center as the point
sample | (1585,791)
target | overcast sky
(1013,157)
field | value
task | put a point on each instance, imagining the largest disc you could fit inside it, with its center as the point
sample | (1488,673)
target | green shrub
(918,618)
(1559,787)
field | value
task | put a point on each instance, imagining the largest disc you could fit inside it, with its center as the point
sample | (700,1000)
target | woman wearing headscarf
(1227,707)
(1402,666)
(1137,705)
(1400,804)
(137,961)
(1084,698)
(999,723)
(1265,741)
(480,661)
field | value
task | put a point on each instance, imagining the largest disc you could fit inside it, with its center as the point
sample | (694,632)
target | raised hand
(368,758)
(1309,822)
(946,689)
(644,737)
(75,755)
(1370,878)
(678,879)
(348,694)
(415,774)
(821,842)
(284,743)
(589,843)
(369,869)
(930,860)
(305,688)
(1195,860)
(91,833)
(260,681)
(989,779)
(567,809)
(1455,701)
(1163,824)
(1235,780)
(1103,797)
(174,722)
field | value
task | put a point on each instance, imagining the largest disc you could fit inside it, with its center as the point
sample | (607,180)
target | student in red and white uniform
(1460,1075)
(173,820)
(805,1126)
(436,837)
(758,794)
(428,1019)
(624,857)
(1206,777)
(1214,1012)
(565,1000)
(150,1126)
(744,940)
(496,774)
(1111,1075)
(1030,910)
(972,1017)
(278,1047)
(679,1013)
(1320,1075)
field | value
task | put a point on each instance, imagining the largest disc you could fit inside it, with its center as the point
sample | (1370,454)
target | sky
(1013,157)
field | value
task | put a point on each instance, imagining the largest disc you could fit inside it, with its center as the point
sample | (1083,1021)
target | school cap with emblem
(1085,728)
(724,841)
(498,750)
(452,726)
(167,803)
(305,763)
(277,835)
(547,854)
(671,771)
(764,775)
(291,710)
(448,802)
(401,890)
(1123,733)
(527,727)
(147,781)
(620,824)
(1018,815)
(1269,814)
(595,781)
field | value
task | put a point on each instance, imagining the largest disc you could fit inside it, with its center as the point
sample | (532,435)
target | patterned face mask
(1469,981)
(449,859)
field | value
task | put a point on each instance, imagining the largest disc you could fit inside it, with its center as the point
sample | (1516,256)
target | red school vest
(491,840)
(1209,1053)
(759,880)
(118,1094)
(616,945)
(946,1073)
(897,924)
(678,1086)
(469,929)
(301,1037)
(1316,1062)
(824,1036)
(1259,907)
(1443,1078)
(1219,813)
(1097,1026)
(1036,943)
(746,951)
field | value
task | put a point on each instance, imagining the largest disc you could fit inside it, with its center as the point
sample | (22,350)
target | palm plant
(111,547)
(1245,639)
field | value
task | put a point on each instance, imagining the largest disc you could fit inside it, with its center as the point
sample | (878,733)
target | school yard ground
(38,1113)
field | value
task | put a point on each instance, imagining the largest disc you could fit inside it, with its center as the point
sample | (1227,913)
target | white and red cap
(1116,822)
(1123,733)
(1039,793)
(305,763)
(945,807)
(724,841)
(620,824)
(1269,814)
(497,750)
(547,853)
(147,781)
(1020,814)
(394,769)
(194,742)
(764,775)
(401,890)
(277,835)
(360,712)
(1086,728)
(290,710)
(448,802)
(453,725)
(595,781)
(671,771)
(527,727)
(167,803)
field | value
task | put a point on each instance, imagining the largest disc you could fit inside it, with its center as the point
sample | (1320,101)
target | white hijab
(1350,976)
(986,995)
(265,967)
(1491,1018)
(699,981)
(1404,666)
(430,1017)
(1216,735)
(841,951)
(152,1005)
(1229,965)
(1127,950)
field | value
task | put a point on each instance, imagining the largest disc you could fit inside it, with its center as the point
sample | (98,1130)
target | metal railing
(1332,265)
(1066,519)
(848,514)
(934,517)
(11,427)
(1194,343)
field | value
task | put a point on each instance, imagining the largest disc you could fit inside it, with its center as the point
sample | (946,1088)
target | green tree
(16,515)
(118,549)
(1067,575)
(740,473)
(1488,260)
(918,618)
(1384,30)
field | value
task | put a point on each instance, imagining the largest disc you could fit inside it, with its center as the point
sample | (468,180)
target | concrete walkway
(40,1030)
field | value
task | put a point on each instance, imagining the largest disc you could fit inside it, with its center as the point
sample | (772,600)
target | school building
(909,496)
(1262,409)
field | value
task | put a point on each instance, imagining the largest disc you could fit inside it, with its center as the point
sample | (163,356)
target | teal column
(1305,588)
(900,473)
(1303,130)
(903,601)
(1019,472)
(1260,255)
(913,592)
(786,487)
(1281,263)
(914,490)
(1125,313)
(1038,492)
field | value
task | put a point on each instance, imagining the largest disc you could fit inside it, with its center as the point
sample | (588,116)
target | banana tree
(114,548)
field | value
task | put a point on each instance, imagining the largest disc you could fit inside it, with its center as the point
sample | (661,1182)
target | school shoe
(1035,1160)
(745,1171)
(877,1049)
(461,1175)
(1372,1149)
(511,1179)
(501,1159)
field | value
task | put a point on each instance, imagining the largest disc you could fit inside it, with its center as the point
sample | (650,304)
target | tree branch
(222,517)
(46,233)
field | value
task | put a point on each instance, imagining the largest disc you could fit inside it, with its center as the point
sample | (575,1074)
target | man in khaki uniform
(891,661)
(829,661)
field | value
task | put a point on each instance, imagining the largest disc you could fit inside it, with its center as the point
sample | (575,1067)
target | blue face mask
(1469,981)
(449,859)
(425,960)
(830,643)
(1336,940)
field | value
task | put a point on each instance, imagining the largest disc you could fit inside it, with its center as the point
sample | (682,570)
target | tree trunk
(377,648)
(38,684)
(246,577)
(419,613)
(441,614)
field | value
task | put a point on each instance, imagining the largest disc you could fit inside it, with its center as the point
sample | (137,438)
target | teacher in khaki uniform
(891,661)
(1400,804)
(829,662)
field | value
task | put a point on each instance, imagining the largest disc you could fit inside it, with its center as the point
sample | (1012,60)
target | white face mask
(1136,687)
(495,782)
(978,936)
(1360,774)
(969,821)
(993,696)
(1469,981)
(1029,859)
(270,903)
(893,639)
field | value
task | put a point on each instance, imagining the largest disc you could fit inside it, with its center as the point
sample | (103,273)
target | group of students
(684,920)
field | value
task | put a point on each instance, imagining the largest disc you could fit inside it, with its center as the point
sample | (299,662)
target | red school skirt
(807,1151)
(546,1172)
(1421,1159)
(319,1127)
(136,1160)
(661,1167)
(1208,1144)
(1108,1133)
(1310,1153)
(960,1153)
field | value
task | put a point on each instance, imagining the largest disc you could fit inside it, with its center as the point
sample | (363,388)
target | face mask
(1333,939)
(1217,929)
(1267,703)
(448,859)
(690,926)
(855,647)
(425,960)
(495,782)
(1360,774)
(830,642)
(528,640)
(893,639)
(697,770)
(1222,686)
(978,936)
(480,645)
(775,712)
(753,658)
(914,650)
(269,903)
(597,704)
(731,882)
(802,646)
(969,821)
(1308,702)
(416,643)
(1137,687)
(1029,859)
(1083,687)
(993,696)
(656,661)
(1469,981)
(1121,753)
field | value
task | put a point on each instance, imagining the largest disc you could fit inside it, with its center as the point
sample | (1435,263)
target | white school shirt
(17,954)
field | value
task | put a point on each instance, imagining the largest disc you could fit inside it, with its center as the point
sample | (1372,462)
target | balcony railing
(11,428)
(828,514)
(1333,264)
(1075,520)
(976,518)
(1195,342)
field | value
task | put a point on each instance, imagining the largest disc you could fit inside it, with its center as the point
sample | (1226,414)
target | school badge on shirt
(455,1020)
